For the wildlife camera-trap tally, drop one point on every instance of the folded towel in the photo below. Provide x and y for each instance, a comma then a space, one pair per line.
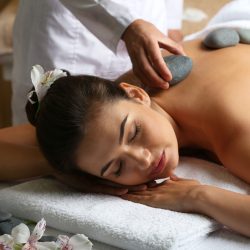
115, 221
235, 14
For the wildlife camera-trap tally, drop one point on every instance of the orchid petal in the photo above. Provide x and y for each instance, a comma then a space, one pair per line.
6, 242
62, 241
43, 80
57, 73
38, 231
80, 242
41, 91
29, 246
37, 73
20, 233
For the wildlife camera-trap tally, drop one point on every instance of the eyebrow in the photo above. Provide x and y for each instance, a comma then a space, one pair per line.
122, 129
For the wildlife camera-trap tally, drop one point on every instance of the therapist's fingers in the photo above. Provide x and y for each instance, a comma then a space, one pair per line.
143, 69
144, 42
154, 53
157, 62
171, 46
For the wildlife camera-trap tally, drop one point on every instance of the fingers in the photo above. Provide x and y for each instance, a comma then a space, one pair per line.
157, 61
143, 41
144, 70
171, 46
174, 177
144, 199
185, 181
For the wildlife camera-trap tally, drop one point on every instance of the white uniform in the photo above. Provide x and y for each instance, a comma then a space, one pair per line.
82, 36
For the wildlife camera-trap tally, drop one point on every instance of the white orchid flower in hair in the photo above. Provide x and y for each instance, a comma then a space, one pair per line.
42, 80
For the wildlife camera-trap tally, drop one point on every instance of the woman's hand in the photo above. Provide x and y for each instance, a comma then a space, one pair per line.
143, 41
90, 184
175, 194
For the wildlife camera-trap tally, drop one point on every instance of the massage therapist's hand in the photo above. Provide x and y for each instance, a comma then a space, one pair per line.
176, 194
143, 41
90, 184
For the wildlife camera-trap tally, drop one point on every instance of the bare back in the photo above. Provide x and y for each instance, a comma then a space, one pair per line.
213, 102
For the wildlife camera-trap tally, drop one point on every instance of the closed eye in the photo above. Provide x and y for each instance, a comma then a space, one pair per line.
117, 173
137, 129
136, 132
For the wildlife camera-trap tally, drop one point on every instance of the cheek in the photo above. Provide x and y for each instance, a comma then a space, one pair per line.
157, 131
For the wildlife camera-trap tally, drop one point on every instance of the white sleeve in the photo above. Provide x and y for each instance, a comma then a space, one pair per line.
106, 19
174, 13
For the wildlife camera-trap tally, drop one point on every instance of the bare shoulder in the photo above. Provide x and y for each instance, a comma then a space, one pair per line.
21, 134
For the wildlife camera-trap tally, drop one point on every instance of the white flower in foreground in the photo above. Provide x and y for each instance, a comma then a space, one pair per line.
76, 242
19, 235
21, 239
35, 236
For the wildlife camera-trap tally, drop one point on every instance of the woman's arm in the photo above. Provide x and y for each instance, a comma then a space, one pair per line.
20, 157
229, 208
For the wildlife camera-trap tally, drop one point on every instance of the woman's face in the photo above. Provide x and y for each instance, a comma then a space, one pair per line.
128, 143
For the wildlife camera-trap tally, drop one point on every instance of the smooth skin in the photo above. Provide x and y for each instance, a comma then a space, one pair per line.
208, 110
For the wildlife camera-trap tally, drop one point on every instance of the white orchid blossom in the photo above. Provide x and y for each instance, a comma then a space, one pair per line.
21, 239
76, 242
19, 235
42, 80
35, 236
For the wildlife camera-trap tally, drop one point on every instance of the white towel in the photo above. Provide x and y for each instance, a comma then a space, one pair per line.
115, 221
235, 14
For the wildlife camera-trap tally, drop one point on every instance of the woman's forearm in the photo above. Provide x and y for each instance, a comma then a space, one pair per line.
19, 162
229, 208
20, 157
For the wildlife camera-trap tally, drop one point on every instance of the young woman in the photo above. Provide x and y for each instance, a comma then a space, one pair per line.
117, 132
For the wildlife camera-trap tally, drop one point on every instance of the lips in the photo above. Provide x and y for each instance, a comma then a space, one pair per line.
158, 168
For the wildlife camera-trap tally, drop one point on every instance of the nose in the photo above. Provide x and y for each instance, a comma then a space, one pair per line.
141, 155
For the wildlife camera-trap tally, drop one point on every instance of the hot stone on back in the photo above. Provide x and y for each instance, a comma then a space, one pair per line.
244, 35
179, 66
221, 38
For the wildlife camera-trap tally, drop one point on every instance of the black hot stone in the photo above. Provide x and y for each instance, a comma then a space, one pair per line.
221, 38
179, 66
244, 35
7, 226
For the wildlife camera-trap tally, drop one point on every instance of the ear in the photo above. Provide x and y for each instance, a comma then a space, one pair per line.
136, 93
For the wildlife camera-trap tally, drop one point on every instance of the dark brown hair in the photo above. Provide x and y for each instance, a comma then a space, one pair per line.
62, 115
